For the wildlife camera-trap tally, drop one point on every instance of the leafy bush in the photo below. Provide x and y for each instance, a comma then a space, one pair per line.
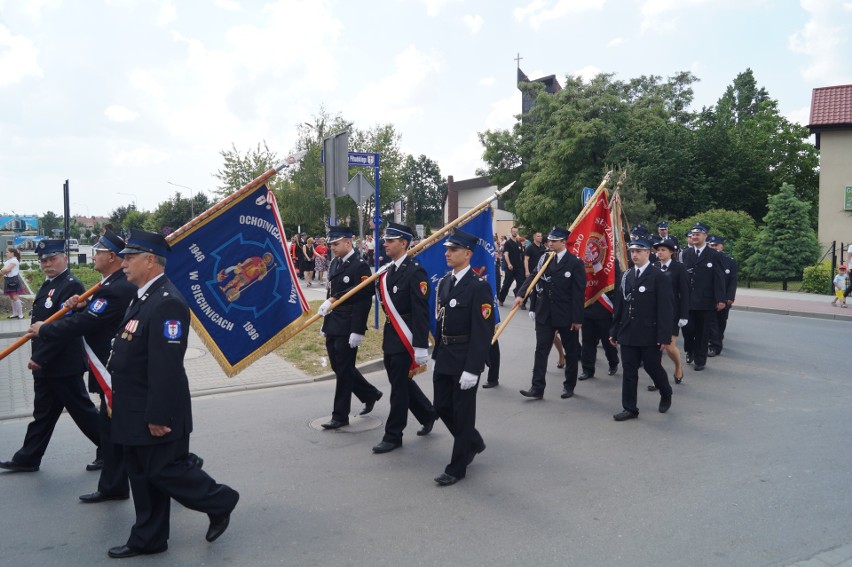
737, 227
87, 276
818, 278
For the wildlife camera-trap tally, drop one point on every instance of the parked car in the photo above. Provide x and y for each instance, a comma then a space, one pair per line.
73, 245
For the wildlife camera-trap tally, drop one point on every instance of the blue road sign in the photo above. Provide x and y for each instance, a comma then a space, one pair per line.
367, 159
587, 194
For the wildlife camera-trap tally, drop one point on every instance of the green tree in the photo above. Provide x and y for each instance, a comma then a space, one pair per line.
736, 227
424, 191
240, 169
176, 212
786, 244
117, 217
49, 222
137, 219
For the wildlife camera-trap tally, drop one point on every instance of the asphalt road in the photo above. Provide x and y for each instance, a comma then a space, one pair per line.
751, 466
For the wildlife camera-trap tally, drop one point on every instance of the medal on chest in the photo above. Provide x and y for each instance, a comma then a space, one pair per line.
48, 303
129, 329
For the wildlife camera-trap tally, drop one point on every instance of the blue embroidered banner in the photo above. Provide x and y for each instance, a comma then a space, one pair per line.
482, 262
238, 279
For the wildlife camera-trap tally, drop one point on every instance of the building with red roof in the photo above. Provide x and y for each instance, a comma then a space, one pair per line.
831, 122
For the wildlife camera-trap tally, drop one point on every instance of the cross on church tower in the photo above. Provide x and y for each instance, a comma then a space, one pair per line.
518, 60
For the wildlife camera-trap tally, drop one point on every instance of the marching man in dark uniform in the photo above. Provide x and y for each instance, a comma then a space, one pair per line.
642, 325
706, 294
152, 411
557, 307
465, 327
344, 326
404, 292
97, 321
719, 323
57, 366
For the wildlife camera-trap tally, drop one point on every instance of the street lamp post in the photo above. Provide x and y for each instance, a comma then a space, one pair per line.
191, 197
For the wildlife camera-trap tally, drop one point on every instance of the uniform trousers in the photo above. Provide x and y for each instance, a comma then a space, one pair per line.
349, 378
493, 363
718, 324
544, 334
52, 395
113, 480
696, 334
161, 472
595, 330
651, 359
405, 395
457, 409
516, 276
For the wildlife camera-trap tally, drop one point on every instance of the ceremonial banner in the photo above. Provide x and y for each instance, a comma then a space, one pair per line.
592, 241
234, 270
482, 262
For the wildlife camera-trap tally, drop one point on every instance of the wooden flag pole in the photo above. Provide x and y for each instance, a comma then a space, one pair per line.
24, 340
177, 234
550, 257
433, 238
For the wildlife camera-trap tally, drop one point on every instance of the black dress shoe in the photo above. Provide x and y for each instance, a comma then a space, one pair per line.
17, 467
446, 479
699, 367
625, 415
478, 450
125, 551
612, 370
678, 380
534, 394
490, 385
689, 358
585, 376
566, 394
195, 460
711, 353
99, 496
386, 447
665, 404
427, 428
95, 465
652, 388
334, 424
368, 407
218, 525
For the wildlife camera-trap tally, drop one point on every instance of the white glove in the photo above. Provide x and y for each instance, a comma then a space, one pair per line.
468, 380
355, 340
682, 322
421, 356
532, 315
323, 309
322, 332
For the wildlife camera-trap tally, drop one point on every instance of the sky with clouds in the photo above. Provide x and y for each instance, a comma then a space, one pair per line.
122, 97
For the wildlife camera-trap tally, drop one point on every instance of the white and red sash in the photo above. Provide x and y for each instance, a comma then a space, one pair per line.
99, 371
400, 326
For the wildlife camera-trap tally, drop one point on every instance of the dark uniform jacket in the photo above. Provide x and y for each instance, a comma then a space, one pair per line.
63, 357
149, 382
465, 322
729, 266
351, 316
408, 287
705, 277
98, 323
680, 289
643, 309
560, 293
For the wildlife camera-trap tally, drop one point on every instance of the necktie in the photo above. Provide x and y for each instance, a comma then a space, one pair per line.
638, 272
664, 268
392, 269
452, 282
335, 267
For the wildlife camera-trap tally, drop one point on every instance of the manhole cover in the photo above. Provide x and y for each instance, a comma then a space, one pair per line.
192, 352
357, 424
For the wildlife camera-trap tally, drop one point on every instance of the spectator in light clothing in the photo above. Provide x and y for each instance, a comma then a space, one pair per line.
12, 281
840, 286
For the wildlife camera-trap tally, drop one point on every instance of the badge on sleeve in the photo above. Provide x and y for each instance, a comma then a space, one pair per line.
172, 330
486, 310
97, 307
424, 288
